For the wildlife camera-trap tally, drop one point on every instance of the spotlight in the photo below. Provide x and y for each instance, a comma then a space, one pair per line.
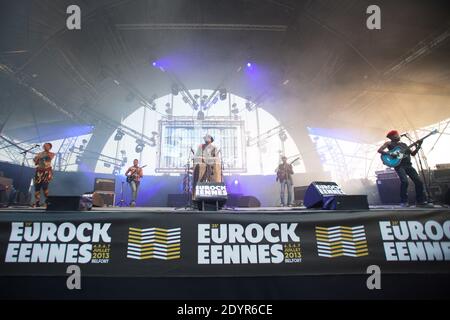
139, 146
200, 116
77, 160
283, 136
248, 106
155, 64
223, 94
236, 182
249, 64
175, 89
119, 135
234, 109
185, 99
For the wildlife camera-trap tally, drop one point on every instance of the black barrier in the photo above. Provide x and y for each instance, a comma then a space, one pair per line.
205, 244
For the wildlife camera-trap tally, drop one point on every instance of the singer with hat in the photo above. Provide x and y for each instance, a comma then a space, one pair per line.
206, 161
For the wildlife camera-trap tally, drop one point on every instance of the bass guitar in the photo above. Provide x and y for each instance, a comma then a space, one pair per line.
132, 176
395, 156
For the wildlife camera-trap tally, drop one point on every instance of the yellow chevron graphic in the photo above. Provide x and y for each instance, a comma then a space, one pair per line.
154, 243
346, 245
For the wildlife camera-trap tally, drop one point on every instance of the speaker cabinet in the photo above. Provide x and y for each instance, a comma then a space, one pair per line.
345, 202
68, 203
317, 190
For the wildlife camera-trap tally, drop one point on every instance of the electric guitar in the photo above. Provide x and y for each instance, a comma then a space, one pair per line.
395, 156
132, 177
281, 174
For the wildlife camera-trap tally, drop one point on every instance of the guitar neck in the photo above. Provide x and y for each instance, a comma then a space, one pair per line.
421, 139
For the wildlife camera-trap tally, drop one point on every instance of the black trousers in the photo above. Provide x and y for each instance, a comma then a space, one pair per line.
403, 172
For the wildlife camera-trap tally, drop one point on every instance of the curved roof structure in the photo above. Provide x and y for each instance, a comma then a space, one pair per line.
315, 64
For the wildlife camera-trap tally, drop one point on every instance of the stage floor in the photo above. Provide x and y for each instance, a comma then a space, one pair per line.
265, 210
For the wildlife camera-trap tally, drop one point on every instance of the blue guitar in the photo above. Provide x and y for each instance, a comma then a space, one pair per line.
395, 156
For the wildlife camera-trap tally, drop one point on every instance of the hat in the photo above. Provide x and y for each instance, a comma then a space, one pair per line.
208, 136
392, 133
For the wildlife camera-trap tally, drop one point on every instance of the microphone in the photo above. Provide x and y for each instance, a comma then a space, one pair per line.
404, 134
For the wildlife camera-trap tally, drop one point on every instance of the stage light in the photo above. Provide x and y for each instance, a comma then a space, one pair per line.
77, 160
223, 94
119, 135
248, 106
139, 146
200, 116
155, 64
236, 182
283, 136
249, 64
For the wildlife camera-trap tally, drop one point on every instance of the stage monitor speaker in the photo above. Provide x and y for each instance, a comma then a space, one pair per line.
345, 202
317, 190
68, 203
105, 185
248, 202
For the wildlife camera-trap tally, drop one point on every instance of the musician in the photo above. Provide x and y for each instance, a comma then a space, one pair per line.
284, 176
206, 155
134, 175
43, 174
405, 168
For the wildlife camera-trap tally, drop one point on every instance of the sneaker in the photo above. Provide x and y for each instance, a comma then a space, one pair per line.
425, 205
404, 205
133, 204
37, 204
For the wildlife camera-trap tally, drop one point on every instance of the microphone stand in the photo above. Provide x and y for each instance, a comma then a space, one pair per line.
22, 168
419, 163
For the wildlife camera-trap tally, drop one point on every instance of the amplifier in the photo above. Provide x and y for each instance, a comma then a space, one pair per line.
386, 174
442, 166
103, 184
441, 175
103, 199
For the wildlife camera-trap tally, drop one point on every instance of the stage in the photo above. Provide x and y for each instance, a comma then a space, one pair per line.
253, 253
